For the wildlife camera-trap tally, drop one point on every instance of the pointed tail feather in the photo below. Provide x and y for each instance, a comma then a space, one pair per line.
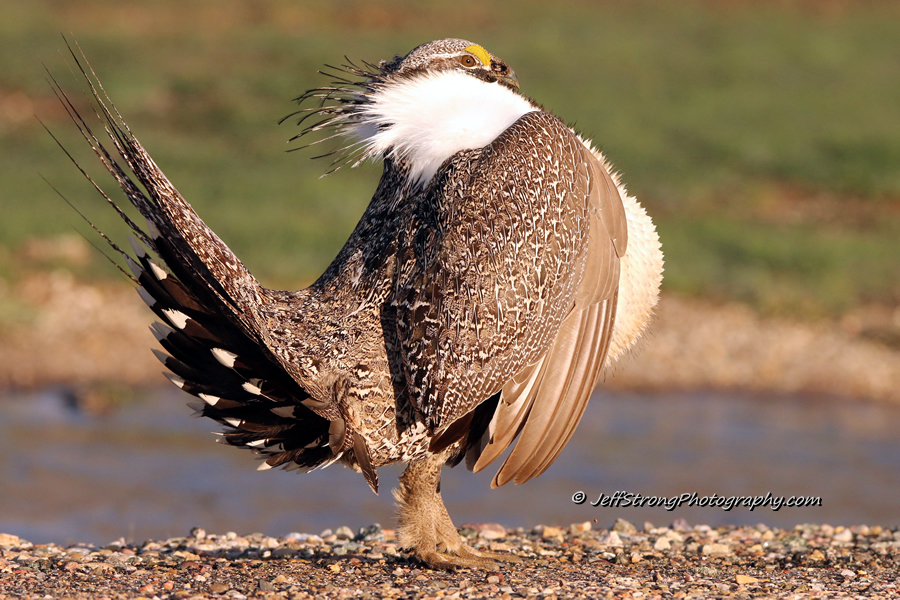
205, 299
200, 259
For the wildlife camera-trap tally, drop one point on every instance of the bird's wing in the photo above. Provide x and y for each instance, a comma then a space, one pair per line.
513, 290
544, 403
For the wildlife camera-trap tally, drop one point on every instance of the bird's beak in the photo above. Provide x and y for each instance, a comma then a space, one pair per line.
510, 79
504, 74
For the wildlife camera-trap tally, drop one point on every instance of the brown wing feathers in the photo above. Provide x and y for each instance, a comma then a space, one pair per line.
543, 404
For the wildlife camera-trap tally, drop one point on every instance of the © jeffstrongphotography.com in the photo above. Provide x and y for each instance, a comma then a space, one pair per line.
623, 499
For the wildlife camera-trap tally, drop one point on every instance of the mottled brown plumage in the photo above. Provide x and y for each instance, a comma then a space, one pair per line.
474, 303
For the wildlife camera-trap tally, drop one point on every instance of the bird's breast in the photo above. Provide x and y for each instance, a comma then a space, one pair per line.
425, 120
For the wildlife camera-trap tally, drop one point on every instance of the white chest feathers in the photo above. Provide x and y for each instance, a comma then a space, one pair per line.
426, 119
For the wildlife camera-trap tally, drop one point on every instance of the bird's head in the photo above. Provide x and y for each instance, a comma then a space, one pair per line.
440, 98
453, 54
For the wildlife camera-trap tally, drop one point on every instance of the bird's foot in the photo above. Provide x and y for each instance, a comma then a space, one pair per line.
425, 527
462, 557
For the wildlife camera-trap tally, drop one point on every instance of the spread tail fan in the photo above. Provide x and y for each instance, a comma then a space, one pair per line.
206, 301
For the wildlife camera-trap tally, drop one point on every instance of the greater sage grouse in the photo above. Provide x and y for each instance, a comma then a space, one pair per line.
498, 269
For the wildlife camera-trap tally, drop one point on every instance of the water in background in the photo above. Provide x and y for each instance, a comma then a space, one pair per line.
150, 471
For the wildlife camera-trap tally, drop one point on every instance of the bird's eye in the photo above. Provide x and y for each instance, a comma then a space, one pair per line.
467, 61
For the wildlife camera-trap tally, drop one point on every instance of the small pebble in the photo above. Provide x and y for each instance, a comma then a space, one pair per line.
611, 539
623, 526
550, 533
715, 549
488, 531
845, 536
372, 533
580, 527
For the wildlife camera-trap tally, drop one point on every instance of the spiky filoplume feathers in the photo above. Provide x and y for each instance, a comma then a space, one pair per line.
474, 305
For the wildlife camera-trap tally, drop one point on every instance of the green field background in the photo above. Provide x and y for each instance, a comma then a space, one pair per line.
763, 137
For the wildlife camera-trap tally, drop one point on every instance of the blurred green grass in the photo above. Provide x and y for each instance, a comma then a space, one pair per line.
764, 137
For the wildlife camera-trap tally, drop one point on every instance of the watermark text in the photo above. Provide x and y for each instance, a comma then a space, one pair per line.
622, 499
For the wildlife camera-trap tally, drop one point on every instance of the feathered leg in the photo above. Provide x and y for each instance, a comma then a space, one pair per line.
426, 528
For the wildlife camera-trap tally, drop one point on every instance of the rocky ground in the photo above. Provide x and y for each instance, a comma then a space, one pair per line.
55, 329
809, 561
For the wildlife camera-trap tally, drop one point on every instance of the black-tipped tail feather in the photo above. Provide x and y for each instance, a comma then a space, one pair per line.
205, 299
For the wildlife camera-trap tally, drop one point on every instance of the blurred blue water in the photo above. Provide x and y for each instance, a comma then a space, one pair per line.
150, 471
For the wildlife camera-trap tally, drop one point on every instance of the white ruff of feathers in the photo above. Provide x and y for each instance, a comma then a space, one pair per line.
426, 119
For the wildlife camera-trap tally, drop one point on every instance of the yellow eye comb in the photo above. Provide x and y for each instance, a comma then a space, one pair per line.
481, 53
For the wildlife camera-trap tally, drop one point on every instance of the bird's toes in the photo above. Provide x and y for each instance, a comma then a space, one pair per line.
501, 556
442, 561
464, 557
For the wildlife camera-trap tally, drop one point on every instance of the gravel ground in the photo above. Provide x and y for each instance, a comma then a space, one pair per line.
809, 561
